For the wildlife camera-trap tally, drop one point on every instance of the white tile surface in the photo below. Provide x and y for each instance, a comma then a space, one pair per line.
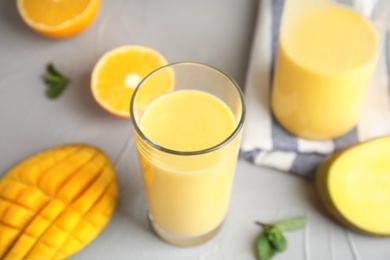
218, 33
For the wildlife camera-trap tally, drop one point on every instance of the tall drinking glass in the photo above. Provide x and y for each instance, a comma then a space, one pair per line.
187, 119
327, 53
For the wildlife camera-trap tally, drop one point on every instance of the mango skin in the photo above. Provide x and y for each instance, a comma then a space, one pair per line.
56, 202
322, 183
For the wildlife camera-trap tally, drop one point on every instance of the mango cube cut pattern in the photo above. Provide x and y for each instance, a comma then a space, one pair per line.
56, 202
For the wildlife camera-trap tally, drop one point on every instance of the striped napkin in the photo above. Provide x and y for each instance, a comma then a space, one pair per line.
265, 142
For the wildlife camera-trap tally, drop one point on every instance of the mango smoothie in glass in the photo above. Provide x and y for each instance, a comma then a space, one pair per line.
187, 139
326, 57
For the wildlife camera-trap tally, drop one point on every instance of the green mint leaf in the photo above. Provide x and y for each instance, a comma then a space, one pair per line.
52, 70
55, 81
279, 242
273, 233
265, 251
291, 224
51, 79
272, 240
276, 238
54, 92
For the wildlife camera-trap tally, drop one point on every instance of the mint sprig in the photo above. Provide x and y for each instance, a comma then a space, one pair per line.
291, 224
272, 240
55, 81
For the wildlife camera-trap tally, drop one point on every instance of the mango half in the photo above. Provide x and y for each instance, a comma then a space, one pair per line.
55, 202
354, 185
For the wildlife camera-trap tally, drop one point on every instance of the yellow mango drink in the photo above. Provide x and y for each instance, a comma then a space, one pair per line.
189, 120
187, 142
326, 57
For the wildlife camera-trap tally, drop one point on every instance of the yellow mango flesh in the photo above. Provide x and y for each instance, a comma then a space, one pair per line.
56, 202
355, 186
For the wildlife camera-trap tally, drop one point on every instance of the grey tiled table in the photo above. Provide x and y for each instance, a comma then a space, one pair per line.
216, 32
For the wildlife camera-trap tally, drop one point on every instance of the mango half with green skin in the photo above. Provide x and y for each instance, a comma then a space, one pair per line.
354, 185
56, 202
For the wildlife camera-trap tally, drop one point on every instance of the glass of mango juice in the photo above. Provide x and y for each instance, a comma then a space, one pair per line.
326, 58
187, 119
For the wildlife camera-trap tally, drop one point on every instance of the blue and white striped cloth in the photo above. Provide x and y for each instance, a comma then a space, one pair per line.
265, 142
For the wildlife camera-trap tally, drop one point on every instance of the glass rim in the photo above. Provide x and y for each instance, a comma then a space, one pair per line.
196, 152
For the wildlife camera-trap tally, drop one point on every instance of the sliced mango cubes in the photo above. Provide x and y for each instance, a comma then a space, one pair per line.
56, 202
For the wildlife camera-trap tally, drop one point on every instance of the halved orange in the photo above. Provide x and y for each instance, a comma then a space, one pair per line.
58, 18
119, 71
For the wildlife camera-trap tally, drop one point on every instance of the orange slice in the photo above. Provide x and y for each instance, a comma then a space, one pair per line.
58, 18
118, 73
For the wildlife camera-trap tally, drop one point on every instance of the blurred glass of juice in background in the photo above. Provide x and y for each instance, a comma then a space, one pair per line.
187, 138
326, 57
